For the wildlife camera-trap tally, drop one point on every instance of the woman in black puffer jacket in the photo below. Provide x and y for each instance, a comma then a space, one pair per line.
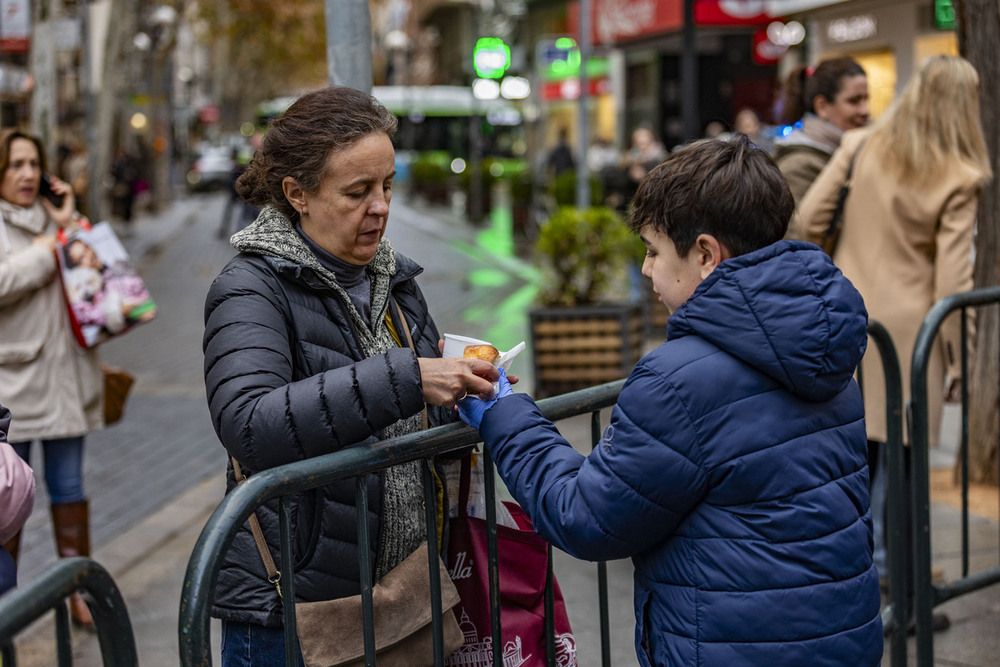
305, 355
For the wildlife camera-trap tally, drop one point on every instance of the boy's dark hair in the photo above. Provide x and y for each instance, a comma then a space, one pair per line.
728, 188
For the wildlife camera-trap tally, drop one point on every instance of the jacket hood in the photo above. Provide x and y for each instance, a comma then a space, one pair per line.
785, 310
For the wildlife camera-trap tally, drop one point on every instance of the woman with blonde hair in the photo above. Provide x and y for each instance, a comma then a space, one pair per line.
907, 229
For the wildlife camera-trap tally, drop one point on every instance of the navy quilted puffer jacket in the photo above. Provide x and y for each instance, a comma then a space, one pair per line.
733, 473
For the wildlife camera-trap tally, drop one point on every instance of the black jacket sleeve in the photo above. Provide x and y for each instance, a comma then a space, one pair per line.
264, 414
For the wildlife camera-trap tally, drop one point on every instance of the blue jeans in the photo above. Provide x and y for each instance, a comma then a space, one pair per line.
250, 645
63, 467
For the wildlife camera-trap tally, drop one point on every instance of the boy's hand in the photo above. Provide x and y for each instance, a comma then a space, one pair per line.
472, 409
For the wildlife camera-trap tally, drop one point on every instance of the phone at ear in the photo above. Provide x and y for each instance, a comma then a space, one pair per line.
45, 190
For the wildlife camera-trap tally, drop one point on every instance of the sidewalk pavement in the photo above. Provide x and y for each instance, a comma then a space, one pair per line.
148, 559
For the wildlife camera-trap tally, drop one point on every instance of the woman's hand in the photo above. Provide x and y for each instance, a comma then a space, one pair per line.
447, 381
65, 216
953, 390
46, 240
472, 409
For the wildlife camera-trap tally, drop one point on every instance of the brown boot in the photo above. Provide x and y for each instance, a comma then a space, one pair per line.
72, 530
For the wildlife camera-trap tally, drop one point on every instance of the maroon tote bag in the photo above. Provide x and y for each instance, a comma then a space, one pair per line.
523, 568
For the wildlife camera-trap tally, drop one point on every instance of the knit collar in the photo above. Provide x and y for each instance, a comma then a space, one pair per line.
31, 219
817, 133
272, 234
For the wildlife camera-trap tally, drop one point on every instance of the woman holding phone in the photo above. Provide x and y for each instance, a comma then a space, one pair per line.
52, 386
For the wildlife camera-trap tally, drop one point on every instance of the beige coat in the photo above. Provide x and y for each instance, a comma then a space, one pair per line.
52, 386
903, 248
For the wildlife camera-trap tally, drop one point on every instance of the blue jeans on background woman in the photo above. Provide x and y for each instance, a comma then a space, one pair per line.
63, 467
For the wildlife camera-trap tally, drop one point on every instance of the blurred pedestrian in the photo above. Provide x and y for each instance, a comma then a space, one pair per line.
604, 161
17, 497
561, 156
124, 182
308, 351
748, 122
52, 385
715, 129
645, 152
908, 226
823, 103
77, 174
234, 201
732, 473
602, 155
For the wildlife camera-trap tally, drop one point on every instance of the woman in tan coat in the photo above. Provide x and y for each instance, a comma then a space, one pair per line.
52, 386
908, 222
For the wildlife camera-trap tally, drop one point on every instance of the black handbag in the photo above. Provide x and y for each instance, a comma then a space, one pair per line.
832, 235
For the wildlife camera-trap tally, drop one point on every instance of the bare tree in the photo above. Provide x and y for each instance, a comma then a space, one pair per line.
977, 23
280, 48
43, 67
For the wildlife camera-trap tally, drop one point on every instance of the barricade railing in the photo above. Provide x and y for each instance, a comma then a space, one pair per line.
927, 595
285, 481
895, 508
23, 606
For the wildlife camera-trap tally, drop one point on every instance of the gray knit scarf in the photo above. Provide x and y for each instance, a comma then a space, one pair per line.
274, 235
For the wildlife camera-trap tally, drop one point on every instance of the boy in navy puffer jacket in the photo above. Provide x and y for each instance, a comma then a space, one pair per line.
734, 470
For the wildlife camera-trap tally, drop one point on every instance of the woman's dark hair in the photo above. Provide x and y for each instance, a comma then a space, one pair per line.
299, 142
802, 86
7, 137
728, 188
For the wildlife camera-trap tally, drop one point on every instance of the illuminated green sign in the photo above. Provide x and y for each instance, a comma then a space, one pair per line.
944, 14
491, 57
559, 59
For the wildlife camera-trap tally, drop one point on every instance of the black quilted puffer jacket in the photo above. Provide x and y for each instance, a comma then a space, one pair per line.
286, 380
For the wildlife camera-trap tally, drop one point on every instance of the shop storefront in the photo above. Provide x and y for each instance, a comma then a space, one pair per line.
733, 73
888, 39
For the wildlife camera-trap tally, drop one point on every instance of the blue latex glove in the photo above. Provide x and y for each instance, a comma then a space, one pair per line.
472, 409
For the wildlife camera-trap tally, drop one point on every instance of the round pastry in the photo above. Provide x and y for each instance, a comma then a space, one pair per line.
484, 352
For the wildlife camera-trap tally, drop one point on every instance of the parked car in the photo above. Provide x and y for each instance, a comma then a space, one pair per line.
212, 169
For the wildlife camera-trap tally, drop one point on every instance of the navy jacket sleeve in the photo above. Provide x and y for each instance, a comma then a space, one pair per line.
264, 415
626, 496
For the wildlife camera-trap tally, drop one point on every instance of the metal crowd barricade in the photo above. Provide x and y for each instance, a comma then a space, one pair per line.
927, 595
895, 501
284, 481
23, 606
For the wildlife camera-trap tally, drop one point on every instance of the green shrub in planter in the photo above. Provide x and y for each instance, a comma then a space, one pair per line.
583, 253
430, 176
563, 189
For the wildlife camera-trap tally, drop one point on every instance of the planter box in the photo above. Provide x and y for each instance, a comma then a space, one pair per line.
575, 348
